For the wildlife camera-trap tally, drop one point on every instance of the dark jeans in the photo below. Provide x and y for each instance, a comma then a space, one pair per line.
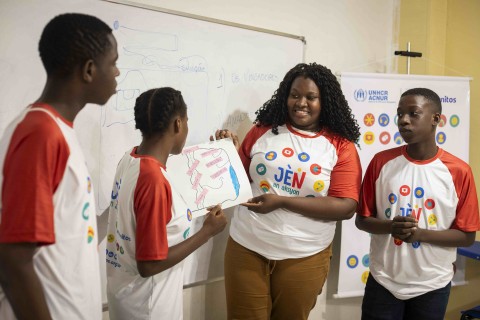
380, 304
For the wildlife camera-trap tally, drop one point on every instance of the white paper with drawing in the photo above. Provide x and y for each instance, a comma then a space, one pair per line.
208, 174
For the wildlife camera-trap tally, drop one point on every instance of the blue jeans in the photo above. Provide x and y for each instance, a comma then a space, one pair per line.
380, 304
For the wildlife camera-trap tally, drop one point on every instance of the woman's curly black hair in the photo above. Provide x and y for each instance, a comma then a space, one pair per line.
335, 115
155, 108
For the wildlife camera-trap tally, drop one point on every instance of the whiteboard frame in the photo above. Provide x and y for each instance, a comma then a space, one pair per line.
208, 19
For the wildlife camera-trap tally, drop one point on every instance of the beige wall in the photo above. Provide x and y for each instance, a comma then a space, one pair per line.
447, 32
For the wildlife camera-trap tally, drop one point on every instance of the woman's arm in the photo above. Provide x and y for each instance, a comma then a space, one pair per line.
322, 208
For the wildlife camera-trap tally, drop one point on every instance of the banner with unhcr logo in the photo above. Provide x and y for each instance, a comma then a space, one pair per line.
374, 100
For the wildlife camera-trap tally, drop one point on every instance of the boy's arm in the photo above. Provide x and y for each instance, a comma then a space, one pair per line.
20, 282
373, 225
444, 238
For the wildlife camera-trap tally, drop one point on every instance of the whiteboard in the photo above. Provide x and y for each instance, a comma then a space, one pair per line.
225, 74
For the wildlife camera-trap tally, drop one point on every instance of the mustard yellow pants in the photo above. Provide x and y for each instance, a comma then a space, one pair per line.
260, 289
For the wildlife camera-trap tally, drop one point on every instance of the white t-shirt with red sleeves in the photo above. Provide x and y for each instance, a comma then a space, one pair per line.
47, 198
440, 193
295, 164
146, 217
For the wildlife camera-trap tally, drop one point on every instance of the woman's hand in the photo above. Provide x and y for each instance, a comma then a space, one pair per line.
264, 204
224, 133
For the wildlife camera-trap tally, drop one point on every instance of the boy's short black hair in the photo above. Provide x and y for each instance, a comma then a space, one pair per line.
428, 94
71, 39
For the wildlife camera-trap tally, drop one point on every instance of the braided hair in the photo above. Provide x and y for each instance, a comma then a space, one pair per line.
155, 109
428, 94
335, 115
71, 39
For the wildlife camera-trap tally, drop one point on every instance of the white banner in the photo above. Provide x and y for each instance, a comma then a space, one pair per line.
374, 100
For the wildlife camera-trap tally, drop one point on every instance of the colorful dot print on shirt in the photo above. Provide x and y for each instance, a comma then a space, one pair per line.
85, 214
319, 185
304, 157
315, 169
265, 186
186, 233
261, 169
271, 155
90, 234
189, 215
89, 185
287, 152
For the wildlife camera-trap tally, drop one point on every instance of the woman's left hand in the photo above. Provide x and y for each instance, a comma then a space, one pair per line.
263, 204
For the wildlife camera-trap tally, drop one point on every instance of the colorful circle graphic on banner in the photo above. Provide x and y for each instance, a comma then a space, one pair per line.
265, 186
261, 169
369, 137
315, 169
319, 185
419, 192
366, 260
383, 120
404, 190
304, 157
441, 137
369, 119
443, 121
287, 152
397, 138
365, 276
392, 198
352, 261
429, 204
454, 120
395, 119
271, 155
384, 137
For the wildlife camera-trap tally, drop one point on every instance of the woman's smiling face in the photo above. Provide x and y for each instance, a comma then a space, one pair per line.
304, 104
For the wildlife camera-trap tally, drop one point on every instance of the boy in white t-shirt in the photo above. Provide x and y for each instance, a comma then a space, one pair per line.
419, 202
48, 233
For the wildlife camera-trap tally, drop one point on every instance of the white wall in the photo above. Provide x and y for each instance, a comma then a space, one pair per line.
344, 35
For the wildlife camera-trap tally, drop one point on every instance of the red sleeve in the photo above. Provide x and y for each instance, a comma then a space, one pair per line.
153, 211
467, 213
346, 175
247, 145
367, 204
34, 165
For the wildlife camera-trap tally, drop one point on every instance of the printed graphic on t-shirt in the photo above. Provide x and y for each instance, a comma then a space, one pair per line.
290, 172
414, 203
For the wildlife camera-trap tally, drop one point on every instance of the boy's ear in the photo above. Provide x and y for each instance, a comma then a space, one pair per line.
436, 118
88, 71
